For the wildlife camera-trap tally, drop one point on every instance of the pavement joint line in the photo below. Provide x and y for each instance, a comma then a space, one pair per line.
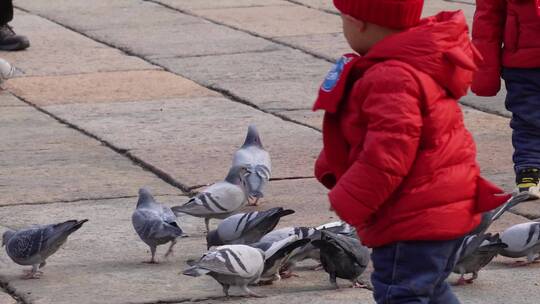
225, 93
273, 40
77, 200
484, 110
4, 286
313, 7
460, 1
525, 215
269, 50
89, 73
164, 176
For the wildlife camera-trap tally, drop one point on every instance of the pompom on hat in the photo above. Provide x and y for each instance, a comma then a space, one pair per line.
395, 14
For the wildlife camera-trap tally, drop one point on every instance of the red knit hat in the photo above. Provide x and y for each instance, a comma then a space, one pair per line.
396, 14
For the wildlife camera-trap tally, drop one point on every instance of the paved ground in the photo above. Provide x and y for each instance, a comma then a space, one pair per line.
118, 94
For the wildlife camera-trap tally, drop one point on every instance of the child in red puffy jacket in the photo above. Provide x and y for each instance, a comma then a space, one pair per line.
507, 33
397, 157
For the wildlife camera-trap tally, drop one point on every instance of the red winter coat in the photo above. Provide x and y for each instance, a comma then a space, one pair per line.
397, 156
512, 23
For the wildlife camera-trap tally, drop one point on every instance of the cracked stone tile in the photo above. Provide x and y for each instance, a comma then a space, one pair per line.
276, 21
44, 161
193, 139
105, 87
56, 50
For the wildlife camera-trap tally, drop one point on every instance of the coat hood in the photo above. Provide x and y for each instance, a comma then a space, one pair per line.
439, 46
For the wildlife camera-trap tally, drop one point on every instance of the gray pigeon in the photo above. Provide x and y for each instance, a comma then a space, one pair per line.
253, 155
231, 265
475, 254
277, 254
219, 200
154, 223
523, 240
32, 246
342, 257
246, 228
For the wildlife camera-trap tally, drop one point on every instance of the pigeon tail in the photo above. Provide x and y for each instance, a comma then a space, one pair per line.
252, 137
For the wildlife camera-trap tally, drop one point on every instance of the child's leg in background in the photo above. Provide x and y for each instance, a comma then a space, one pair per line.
414, 272
523, 100
6, 11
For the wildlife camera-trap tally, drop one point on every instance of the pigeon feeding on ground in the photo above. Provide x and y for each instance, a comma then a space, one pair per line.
523, 240
253, 155
479, 248
277, 254
231, 265
342, 257
32, 246
155, 224
246, 228
219, 200
475, 254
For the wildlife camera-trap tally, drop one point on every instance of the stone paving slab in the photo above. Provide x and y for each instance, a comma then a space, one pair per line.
284, 79
156, 132
182, 40
8, 100
493, 104
308, 117
6, 299
56, 50
276, 21
45, 161
190, 5
105, 87
329, 46
325, 5
116, 15
493, 141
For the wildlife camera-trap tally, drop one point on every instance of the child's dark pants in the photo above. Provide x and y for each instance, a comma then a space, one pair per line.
414, 272
523, 100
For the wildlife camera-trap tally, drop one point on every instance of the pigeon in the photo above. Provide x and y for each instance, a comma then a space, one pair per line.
523, 240
342, 257
277, 254
246, 228
339, 227
155, 224
475, 254
33, 245
231, 265
220, 199
253, 155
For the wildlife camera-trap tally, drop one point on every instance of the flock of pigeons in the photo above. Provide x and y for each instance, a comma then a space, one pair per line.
245, 249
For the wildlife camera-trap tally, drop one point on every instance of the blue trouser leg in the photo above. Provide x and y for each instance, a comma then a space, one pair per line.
414, 272
523, 100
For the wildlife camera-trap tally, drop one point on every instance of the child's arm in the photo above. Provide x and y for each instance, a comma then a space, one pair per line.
487, 34
392, 106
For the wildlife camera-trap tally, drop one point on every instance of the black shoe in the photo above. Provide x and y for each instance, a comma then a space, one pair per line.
9, 41
528, 180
